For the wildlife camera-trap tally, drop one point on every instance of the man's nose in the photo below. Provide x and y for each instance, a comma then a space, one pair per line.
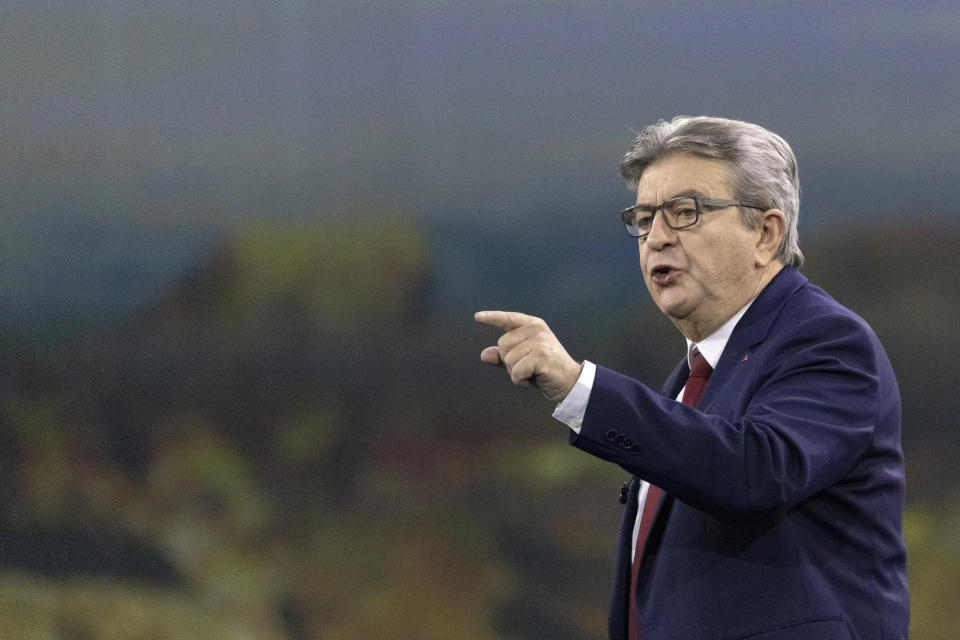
661, 234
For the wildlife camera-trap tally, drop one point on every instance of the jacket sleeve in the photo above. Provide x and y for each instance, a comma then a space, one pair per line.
787, 425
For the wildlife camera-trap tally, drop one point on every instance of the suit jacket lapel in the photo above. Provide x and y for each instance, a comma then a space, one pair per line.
751, 330
677, 379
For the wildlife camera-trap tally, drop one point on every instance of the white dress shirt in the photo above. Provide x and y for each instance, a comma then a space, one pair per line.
574, 406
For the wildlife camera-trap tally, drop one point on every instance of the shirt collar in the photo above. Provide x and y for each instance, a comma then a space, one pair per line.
713, 345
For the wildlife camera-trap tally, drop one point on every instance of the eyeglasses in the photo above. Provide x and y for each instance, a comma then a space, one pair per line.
678, 213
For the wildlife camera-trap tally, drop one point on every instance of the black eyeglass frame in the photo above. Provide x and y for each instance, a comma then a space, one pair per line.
701, 204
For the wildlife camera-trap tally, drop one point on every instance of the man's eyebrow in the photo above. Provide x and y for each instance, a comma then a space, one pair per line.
686, 193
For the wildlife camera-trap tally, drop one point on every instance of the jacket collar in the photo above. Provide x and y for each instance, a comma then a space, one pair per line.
751, 330
756, 322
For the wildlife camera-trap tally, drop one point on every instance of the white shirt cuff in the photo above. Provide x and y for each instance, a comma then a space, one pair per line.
574, 406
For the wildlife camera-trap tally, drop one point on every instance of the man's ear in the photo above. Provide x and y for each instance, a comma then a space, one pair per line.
773, 228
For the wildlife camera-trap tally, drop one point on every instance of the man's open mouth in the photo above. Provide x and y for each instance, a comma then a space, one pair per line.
663, 274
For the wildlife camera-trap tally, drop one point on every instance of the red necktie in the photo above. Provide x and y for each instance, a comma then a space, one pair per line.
700, 371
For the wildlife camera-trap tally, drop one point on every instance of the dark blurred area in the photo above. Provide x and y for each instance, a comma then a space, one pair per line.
240, 251
296, 442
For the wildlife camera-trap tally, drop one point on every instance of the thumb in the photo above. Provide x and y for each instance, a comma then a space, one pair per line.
491, 355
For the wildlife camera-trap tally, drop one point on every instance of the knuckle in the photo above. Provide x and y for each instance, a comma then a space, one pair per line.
519, 374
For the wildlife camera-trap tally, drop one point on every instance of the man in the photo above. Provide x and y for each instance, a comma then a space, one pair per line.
768, 484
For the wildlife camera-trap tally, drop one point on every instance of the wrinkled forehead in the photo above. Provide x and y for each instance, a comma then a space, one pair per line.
684, 174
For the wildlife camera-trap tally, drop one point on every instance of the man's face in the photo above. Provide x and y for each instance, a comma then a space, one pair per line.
702, 275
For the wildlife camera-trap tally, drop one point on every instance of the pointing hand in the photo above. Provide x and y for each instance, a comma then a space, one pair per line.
530, 353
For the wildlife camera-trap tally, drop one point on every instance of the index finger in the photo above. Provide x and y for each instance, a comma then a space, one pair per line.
506, 320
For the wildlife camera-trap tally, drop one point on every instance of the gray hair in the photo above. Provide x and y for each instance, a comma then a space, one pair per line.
761, 166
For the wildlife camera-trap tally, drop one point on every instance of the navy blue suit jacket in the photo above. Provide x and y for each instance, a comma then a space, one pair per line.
784, 487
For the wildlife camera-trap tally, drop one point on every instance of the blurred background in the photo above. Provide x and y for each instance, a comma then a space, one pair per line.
241, 245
